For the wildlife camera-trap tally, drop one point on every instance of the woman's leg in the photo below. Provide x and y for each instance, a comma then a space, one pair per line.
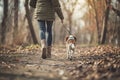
42, 29
43, 37
49, 38
49, 33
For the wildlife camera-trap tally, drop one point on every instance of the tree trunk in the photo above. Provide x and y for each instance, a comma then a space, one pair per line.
104, 30
97, 22
118, 36
16, 9
30, 22
118, 27
3, 24
91, 38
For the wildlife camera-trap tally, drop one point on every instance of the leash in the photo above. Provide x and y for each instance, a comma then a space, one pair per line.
66, 29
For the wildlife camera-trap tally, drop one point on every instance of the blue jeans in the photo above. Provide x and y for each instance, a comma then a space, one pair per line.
46, 31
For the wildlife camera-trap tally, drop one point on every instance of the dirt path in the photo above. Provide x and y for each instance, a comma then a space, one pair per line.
30, 66
88, 64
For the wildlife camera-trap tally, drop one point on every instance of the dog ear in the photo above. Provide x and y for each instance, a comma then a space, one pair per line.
66, 38
75, 38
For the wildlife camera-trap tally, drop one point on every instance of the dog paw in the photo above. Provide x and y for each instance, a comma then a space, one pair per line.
71, 59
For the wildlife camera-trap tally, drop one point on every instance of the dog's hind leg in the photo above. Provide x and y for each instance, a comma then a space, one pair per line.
69, 55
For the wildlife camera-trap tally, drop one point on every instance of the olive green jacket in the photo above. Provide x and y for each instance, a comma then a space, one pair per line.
45, 10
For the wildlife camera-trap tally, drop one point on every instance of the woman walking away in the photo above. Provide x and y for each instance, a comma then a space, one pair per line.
45, 14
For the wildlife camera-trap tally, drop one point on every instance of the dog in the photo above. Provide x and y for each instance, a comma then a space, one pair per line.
70, 46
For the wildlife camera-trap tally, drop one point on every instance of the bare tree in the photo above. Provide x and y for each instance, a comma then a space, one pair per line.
96, 9
97, 21
30, 22
16, 9
3, 24
69, 7
105, 23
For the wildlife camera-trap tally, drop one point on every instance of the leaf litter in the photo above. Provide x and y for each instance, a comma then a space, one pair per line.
89, 63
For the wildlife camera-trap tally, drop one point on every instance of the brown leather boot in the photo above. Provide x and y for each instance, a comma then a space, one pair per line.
43, 49
44, 53
49, 52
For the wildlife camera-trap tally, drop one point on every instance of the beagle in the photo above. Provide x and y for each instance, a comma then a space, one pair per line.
70, 46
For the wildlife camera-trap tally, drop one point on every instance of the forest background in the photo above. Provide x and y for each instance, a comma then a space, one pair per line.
91, 21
